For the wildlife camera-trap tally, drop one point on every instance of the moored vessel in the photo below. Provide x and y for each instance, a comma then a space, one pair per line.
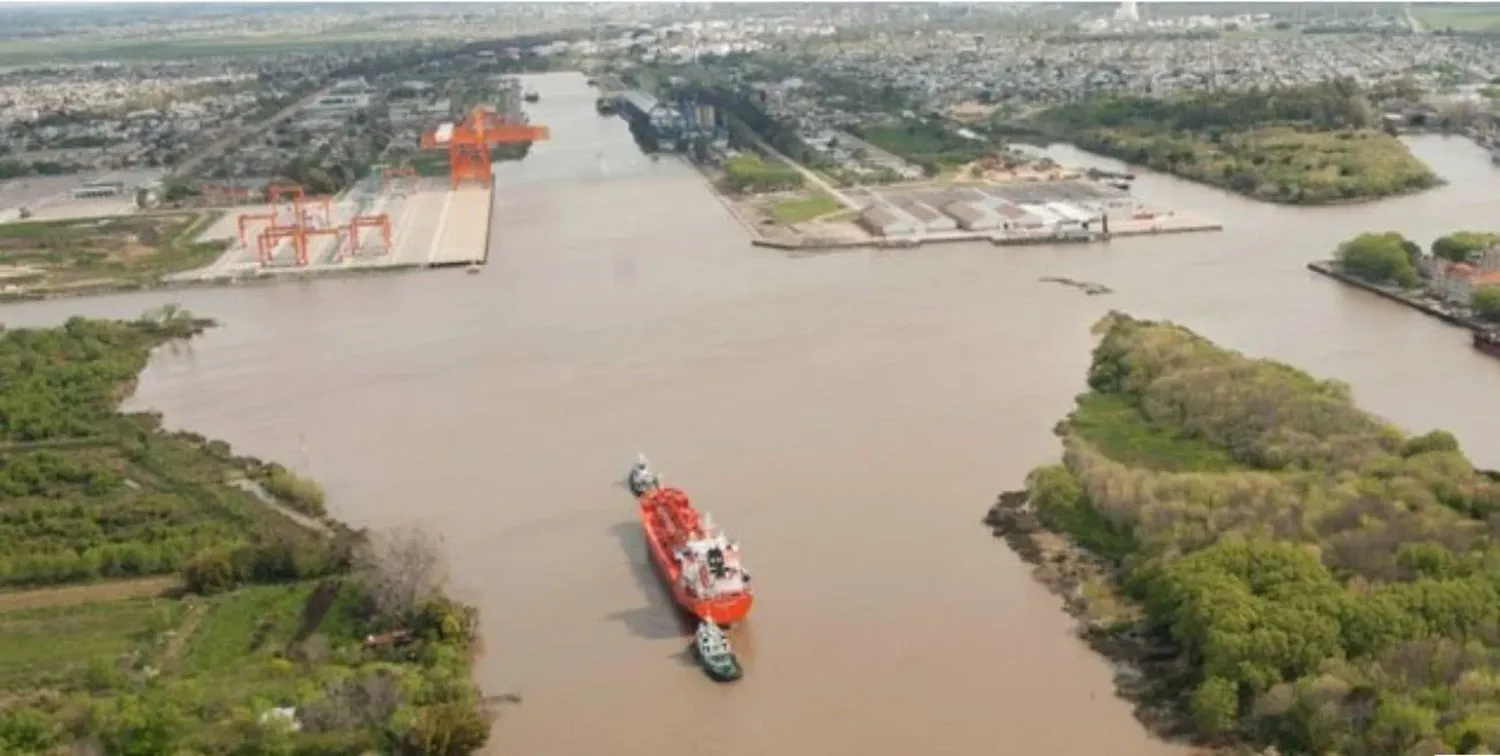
700, 564
1488, 341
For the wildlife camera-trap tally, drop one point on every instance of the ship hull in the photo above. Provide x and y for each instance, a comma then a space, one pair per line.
661, 535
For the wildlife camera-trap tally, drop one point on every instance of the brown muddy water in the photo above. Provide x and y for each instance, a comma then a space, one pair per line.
849, 417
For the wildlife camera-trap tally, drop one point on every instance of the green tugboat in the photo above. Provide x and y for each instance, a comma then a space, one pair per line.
712, 649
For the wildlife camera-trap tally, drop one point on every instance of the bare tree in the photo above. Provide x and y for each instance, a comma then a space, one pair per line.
403, 570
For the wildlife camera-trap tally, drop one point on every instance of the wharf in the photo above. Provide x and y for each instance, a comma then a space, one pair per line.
1175, 224
1436, 310
433, 226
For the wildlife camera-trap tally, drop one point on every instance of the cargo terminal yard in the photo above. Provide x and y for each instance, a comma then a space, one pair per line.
382, 222
393, 218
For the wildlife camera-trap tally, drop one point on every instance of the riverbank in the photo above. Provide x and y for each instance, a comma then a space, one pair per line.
1146, 669
158, 575
1188, 533
1450, 314
254, 278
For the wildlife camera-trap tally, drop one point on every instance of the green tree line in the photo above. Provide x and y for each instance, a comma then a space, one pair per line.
88, 492
1312, 144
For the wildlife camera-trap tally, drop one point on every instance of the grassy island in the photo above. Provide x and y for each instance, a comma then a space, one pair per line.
1286, 570
161, 595
1313, 145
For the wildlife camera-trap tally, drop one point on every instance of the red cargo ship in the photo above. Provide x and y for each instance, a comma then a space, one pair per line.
1488, 341
701, 565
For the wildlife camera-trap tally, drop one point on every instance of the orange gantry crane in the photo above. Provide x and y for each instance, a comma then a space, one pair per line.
305, 217
402, 179
470, 140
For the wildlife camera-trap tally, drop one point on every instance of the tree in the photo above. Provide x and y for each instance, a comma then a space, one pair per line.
1460, 246
402, 571
446, 729
1486, 302
1379, 257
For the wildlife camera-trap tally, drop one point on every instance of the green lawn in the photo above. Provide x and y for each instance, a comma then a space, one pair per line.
1118, 430
250, 624
804, 208
26, 52
56, 645
1459, 17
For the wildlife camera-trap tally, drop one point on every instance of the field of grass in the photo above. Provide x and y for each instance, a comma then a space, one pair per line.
29, 52
804, 208
248, 627
1474, 17
1118, 430
61, 646
103, 253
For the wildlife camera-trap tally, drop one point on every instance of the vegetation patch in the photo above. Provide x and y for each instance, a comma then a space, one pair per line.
1310, 145
1460, 17
929, 143
1118, 430
42, 257
1329, 586
804, 209
293, 637
1381, 257
749, 173
80, 644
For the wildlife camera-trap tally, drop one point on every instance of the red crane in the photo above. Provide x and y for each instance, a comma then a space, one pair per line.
469, 143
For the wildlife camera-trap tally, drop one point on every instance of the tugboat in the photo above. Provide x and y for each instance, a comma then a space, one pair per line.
1488, 341
700, 564
641, 478
712, 648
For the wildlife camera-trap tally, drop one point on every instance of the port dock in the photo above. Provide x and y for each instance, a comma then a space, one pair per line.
431, 226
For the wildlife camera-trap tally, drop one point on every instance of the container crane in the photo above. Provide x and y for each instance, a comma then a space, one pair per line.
469, 142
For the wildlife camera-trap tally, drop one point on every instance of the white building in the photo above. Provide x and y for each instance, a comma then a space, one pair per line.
973, 217
1070, 216
1050, 220
1016, 218
929, 217
884, 219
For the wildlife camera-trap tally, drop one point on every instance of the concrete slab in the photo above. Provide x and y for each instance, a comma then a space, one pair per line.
431, 225
465, 227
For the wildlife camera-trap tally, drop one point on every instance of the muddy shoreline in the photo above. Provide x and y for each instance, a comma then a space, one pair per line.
1150, 672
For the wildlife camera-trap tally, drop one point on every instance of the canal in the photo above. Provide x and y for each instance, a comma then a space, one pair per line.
848, 417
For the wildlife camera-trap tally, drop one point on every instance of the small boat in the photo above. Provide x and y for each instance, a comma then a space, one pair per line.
1488, 341
641, 478
531, 96
712, 648
700, 564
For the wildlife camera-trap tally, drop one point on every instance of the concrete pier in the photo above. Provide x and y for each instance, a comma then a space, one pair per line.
431, 226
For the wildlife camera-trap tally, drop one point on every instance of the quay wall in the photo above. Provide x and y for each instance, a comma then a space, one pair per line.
1330, 269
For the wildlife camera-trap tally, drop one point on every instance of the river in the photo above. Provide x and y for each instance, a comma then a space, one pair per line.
849, 417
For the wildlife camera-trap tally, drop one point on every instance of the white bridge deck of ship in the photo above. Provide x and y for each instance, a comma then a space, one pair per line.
431, 225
